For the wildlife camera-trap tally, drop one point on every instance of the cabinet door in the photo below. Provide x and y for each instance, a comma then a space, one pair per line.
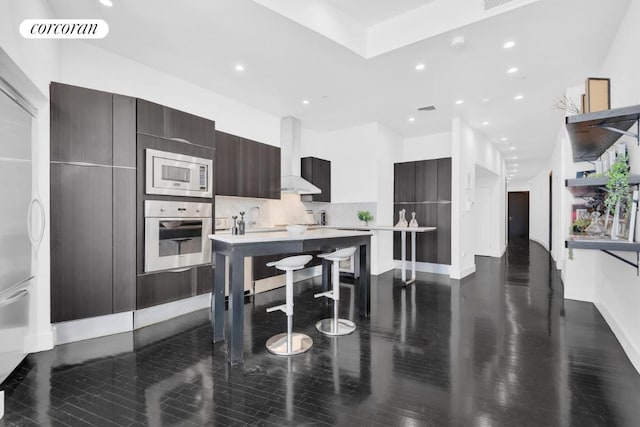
426, 243
124, 131
158, 120
226, 173
81, 125
322, 179
426, 181
160, 288
444, 233
81, 242
444, 179
124, 239
248, 161
269, 171
404, 182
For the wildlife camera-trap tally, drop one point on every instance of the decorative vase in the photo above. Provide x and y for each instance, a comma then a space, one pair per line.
615, 227
413, 223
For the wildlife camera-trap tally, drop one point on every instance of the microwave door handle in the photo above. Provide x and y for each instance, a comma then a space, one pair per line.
181, 140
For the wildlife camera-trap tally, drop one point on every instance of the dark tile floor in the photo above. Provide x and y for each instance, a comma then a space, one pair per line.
501, 348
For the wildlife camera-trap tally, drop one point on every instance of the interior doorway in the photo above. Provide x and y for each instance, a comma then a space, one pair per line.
518, 214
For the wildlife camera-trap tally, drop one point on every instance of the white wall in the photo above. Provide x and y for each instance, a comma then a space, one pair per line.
590, 275
470, 148
435, 146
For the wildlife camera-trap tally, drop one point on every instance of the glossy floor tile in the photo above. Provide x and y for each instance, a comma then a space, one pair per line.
500, 348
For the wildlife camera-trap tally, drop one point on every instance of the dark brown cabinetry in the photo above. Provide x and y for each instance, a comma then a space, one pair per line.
269, 171
81, 242
424, 187
81, 125
154, 289
246, 168
92, 203
226, 179
318, 172
165, 122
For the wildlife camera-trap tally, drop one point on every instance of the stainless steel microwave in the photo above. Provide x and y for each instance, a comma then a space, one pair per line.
175, 174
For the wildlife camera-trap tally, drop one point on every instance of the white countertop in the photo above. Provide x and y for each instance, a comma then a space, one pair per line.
392, 228
281, 236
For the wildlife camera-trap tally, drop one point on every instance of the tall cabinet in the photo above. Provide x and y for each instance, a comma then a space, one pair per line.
424, 187
92, 203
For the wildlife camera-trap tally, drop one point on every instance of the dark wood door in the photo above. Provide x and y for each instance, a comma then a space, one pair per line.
443, 234
248, 161
518, 214
81, 242
444, 179
226, 173
269, 172
124, 239
426, 243
404, 182
81, 125
426, 181
158, 120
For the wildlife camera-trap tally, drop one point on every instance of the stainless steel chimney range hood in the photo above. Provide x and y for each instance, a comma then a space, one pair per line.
290, 141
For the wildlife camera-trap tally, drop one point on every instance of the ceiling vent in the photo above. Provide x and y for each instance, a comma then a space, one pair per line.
427, 108
490, 4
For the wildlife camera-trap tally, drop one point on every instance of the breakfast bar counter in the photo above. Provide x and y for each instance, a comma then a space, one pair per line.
238, 247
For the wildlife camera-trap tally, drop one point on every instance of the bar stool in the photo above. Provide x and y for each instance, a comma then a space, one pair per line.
289, 343
335, 326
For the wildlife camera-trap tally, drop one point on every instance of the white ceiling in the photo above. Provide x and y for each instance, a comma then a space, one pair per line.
370, 12
559, 44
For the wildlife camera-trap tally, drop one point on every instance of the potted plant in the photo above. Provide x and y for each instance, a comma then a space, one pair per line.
365, 217
617, 199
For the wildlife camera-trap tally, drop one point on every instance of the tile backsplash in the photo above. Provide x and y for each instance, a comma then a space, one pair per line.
290, 210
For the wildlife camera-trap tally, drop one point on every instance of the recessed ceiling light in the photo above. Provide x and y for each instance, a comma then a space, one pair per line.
459, 102
412, 119
305, 102
420, 67
515, 164
485, 100
518, 97
107, 3
485, 123
512, 70
509, 44
504, 139
239, 67
512, 148
514, 158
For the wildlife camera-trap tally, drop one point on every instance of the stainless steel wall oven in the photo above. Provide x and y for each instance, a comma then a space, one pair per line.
176, 235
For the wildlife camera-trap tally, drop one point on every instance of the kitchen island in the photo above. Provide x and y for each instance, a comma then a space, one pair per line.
237, 248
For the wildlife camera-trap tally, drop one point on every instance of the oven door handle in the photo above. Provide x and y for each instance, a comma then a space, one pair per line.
179, 270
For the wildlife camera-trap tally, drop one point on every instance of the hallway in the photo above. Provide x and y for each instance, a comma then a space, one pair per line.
500, 348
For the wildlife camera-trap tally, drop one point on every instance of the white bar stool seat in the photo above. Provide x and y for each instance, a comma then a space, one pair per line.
335, 326
289, 343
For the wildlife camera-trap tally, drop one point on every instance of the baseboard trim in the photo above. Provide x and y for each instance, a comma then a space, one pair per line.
577, 294
94, 327
424, 267
541, 243
162, 312
631, 351
458, 274
41, 342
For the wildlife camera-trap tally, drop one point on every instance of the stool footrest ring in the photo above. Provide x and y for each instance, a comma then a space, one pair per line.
328, 294
282, 307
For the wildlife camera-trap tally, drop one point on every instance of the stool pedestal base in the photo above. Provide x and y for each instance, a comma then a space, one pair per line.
326, 326
300, 343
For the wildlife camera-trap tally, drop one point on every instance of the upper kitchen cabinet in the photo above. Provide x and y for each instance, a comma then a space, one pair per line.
269, 172
165, 122
81, 125
444, 179
226, 170
124, 131
318, 172
426, 180
404, 182
247, 167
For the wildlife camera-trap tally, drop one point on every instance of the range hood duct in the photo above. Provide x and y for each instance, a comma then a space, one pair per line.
290, 141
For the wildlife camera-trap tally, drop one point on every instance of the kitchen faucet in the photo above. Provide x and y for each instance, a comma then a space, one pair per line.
254, 221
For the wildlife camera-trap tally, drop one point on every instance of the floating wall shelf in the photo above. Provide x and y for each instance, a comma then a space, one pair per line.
593, 133
606, 246
589, 187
